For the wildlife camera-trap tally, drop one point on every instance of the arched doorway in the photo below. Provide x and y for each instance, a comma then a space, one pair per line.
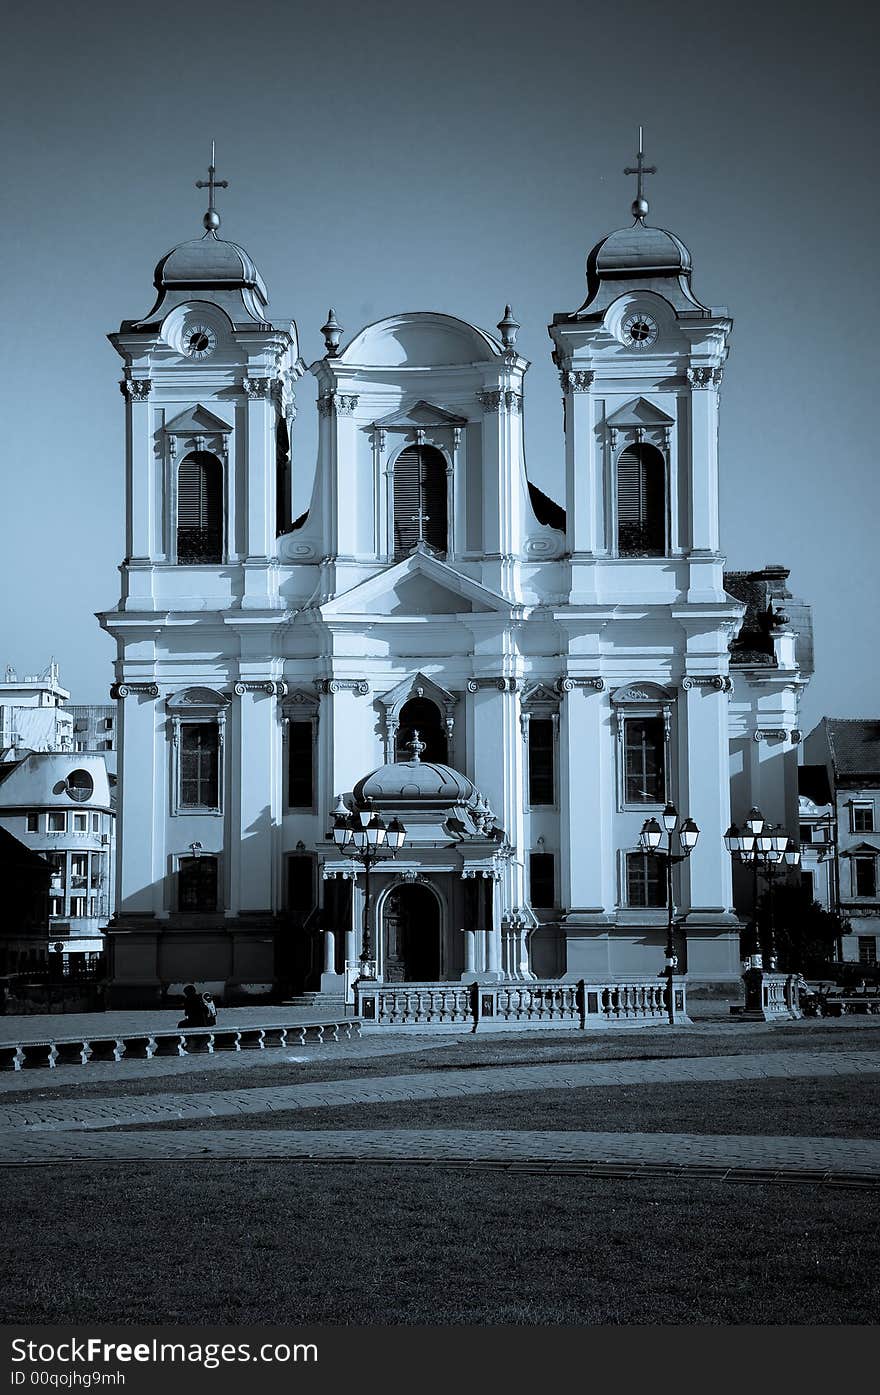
411, 935
422, 716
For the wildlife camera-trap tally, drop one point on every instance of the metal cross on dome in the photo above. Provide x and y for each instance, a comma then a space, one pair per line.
640, 169
211, 219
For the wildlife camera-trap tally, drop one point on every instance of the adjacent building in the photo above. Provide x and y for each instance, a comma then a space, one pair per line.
59, 806
848, 750
522, 682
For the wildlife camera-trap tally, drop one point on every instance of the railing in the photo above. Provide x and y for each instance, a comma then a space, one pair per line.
627, 1002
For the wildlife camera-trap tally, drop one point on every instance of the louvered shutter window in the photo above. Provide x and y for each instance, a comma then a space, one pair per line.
640, 502
419, 484
199, 509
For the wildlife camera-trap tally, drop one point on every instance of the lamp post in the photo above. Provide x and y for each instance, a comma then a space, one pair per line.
764, 847
366, 838
650, 839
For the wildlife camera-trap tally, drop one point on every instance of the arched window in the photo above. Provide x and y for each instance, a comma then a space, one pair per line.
200, 508
419, 500
641, 502
421, 715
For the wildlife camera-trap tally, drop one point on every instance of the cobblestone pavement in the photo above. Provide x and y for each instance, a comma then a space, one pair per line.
809, 1157
43, 1116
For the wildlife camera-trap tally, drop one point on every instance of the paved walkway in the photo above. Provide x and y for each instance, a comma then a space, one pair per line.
812, 1158
118, 1110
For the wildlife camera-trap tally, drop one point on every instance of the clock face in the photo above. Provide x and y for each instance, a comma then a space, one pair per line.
199, 341
639, 331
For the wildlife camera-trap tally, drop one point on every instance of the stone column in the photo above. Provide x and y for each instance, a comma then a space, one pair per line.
470, 956
329, 952
493, 937
145, 770
254, 780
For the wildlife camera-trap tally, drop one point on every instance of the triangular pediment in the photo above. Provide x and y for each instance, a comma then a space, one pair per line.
420, 414
421, 585
860, 849
196, 421
639, 412
419, 685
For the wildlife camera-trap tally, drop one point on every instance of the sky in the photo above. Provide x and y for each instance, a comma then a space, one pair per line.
403, 156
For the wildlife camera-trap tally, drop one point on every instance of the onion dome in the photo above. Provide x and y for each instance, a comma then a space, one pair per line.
638, 251
209, 263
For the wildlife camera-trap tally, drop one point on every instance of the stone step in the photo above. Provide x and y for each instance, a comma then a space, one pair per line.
315, 1000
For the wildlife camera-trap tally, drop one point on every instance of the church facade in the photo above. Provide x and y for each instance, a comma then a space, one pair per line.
521, 683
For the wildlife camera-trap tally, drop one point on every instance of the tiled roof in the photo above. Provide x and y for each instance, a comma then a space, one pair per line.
855, 745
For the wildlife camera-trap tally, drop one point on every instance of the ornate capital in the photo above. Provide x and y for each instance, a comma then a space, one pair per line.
580, 381
503, 685
704, 377
567, 685
500, 399
136, 389
262, 685
343, 404
720, 681
338, 685
124, 690
255, 388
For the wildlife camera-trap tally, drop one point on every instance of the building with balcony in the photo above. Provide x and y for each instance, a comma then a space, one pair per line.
33, 715
60, 806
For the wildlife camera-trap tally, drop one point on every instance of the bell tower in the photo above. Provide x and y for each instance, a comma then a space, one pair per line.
640, 365
208, 387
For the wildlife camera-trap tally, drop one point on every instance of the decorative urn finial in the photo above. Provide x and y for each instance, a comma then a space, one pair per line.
332, 332
507, 328
417, 746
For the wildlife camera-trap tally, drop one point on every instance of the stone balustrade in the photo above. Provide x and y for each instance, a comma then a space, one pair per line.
770, 997
184, 1041
517, 1006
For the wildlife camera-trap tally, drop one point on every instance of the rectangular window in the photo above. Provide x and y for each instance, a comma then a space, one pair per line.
300, 765
79, 865
862, 817
867, 949
199, 766
33, 823
807, 885
542, 887
96, 823
80, 823
57, 821
805, 833
865, 876
541, 781
644, 775
77, 905
197, 884
645, 882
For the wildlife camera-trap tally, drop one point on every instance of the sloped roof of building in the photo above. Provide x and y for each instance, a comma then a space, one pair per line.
545, 509
854, 743
15, 857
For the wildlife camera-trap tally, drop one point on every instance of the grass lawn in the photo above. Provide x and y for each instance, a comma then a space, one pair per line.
824, 1107
246, 1243
267, 1068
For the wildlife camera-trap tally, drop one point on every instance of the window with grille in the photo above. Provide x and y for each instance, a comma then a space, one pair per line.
645, 882
865, 876
862, 817
867, 949
644, 750
641, 502
197, 884
419, 500
300, 765
199, 766
542, 880
200, 509
541, 760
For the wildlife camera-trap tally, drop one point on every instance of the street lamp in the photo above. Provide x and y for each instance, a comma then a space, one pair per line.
765, 847
650, 838
366, 838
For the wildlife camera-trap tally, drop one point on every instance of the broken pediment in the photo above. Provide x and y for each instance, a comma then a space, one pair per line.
196, 421
638, 413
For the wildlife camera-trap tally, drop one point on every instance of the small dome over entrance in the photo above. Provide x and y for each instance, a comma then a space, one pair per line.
415, 782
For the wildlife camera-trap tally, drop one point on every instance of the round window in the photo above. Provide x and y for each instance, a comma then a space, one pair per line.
80, 786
